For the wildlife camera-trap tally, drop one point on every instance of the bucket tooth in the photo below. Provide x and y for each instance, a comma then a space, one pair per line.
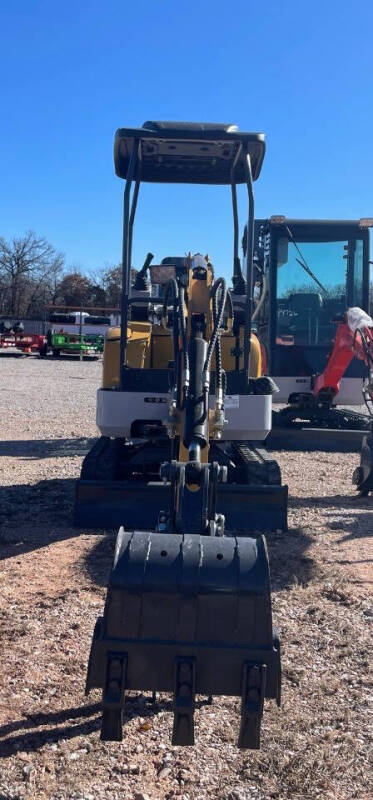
113, 698
96, 636
112, 725
184, 701
253, 691
277, 649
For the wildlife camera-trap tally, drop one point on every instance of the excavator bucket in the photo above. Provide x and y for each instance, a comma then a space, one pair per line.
187, 614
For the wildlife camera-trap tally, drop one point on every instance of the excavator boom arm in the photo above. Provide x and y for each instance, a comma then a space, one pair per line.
350, 341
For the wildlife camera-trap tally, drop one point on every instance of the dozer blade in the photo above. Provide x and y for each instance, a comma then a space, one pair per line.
107, 504
363, 475
302, 437
187, 614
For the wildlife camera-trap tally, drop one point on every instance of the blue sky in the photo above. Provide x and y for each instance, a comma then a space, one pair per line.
71, 73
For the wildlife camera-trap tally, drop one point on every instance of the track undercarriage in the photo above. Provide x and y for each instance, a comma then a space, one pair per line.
310, 410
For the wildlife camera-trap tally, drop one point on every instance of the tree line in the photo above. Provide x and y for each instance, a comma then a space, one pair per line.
33, 274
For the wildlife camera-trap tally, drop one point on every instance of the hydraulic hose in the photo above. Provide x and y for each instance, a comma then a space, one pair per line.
221, 377
220, 283
178, 316
172, 286
261, 299
218, 357
218, 306
186, 370
230, 301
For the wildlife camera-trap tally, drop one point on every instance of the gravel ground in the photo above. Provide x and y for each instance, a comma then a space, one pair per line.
53, 585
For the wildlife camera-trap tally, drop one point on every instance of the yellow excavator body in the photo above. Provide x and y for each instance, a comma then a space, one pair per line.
150, 346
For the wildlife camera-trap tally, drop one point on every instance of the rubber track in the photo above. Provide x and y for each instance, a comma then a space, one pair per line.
334, 418
262, 469
101, 463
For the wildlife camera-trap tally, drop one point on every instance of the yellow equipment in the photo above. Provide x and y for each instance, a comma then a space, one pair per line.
180, 466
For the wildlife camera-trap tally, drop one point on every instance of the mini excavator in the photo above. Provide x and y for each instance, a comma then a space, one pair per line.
181, 465
353, 339
307, 274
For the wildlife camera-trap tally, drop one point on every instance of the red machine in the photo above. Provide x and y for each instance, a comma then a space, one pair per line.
354, 338
317, 409
14, 340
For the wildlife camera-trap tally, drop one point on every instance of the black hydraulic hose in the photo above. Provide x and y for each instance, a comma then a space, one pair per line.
186, 371
221, 375
178, 316
220, 283
218, 306
230, 301
172, 285
218, 356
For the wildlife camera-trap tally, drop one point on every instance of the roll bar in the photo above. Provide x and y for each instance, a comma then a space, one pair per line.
241, 285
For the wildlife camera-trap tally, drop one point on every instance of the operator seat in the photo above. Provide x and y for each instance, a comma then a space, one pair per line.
306, 307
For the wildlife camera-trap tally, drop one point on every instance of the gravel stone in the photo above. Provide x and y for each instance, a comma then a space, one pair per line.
164, 773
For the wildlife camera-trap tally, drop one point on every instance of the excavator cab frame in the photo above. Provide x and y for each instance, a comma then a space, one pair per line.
297, 355
168, 152
311, 274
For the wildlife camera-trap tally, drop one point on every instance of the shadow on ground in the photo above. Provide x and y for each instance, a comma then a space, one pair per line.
337, 501
288, 559
46, 448
89, 720
35, 739
34, 516
357, 527
98, 561
350, 514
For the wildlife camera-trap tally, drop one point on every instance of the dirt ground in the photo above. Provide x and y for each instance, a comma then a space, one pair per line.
53, 581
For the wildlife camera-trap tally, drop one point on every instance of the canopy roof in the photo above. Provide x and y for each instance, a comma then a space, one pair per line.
189, 152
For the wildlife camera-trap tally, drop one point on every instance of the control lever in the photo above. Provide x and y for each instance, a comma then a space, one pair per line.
141, 284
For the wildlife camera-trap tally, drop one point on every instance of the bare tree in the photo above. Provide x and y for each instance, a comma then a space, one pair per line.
111, 282
29, 270
74, 289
